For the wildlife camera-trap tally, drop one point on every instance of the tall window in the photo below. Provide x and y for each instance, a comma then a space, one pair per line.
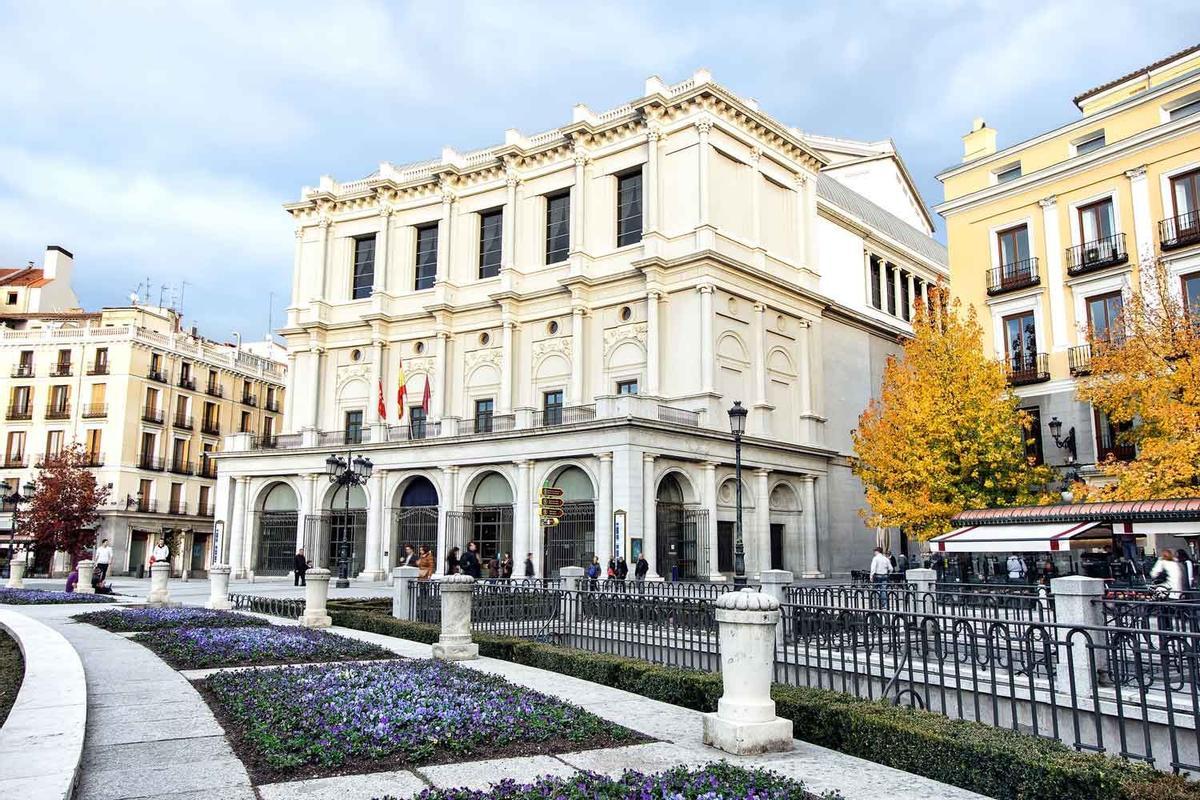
54, 442
1014, 247
627, 387
101, 362
558, 227
416, 416
94, 437
16, 447
245, 424
1109, 440
1096, 220
1033, 436
629, 208
552, 406
364, 267
1020, 332
905, 300
21, 396
25, 365
491, 233
151, 400
1185, 196
59, 402
876, 289
427, 255
1191, 294
354, 424
889, 274
1103, 312
149, 448
483, 415
145, 489
177, 498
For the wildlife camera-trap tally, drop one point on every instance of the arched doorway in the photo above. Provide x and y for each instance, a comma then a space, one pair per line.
277, 517
681, 532
491, 517
416, 518
572, 542
340, 525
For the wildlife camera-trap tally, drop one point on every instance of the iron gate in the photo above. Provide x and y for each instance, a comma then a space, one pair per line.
416, 526
492, 530
572, 542
276, 542
325, 532
682, 534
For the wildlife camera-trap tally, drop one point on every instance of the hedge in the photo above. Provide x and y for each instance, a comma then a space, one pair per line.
996, 762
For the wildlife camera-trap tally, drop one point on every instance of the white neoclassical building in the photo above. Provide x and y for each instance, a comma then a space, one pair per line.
578, 309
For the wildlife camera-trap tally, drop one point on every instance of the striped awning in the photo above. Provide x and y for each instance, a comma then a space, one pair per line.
1036, 538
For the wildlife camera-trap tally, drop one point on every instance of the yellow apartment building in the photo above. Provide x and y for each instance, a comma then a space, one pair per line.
1046, 238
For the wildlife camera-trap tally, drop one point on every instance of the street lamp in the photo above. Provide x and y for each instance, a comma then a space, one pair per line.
347, 472
737, 425
15, 499
1069, 442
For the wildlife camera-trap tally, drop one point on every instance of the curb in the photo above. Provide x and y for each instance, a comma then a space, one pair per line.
41, 742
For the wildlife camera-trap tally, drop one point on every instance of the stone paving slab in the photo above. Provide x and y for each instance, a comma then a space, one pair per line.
401, 783
482, 774
137, 755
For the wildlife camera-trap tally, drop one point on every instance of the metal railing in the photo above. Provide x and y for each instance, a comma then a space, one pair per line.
414, 431
1079, 359
208, 468
491, 423
188, 383
1010, 277
61, 369
95, 410
20, 412
291, 608
1097, 254
154, 415
344, 437
157, 375
249, 400
1027, 368
150, 463
210, 427
679, 416
206, 510
15, 461
23, 371
214, 390
58, 411
1179, 231
563, 415
181, 467
98, 368
177, 508
182, 421
279, 441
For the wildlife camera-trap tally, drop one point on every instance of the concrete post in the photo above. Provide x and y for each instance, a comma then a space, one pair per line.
403, 580
454, 643
16, 572
218, 587
924, 583
774, 584
160, 571
86, 569
1074, 608
316, 594
573, 582
745, 722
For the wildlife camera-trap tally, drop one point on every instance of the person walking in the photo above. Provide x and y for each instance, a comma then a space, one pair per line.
104, 556
410, 557
425, 564
469, 563
622, 568
506, 567
529, 573
878, 573
641, 569
300, 567
593, 573
1016, 568
453, 567
1168, 570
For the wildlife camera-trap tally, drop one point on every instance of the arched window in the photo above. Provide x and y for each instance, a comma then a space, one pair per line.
572, 542
277, 522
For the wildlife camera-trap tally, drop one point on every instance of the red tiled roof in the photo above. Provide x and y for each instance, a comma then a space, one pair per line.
1141, 71
22, 276
1116, 511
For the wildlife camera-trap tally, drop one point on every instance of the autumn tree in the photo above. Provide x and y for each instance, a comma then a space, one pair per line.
63, 510
1145, 377
946, 433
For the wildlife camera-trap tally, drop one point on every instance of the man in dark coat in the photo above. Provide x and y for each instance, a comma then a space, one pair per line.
301, 567
529, 565
469, 563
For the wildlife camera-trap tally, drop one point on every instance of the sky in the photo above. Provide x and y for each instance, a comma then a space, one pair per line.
158, 141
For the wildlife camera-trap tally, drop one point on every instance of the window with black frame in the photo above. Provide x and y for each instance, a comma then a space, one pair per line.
483, 415
427, 255
1033, 436
552, 408
558, 227
416, 425
491, 232
354, 423
364, 267
629, 208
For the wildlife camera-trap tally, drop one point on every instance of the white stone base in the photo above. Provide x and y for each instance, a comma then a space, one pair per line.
748, 738
318, 620
161, 603
455, 651
219, 604
378, 575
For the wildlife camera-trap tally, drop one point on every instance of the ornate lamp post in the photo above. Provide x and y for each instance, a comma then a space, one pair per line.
737, 425
1055, 426
347, 472
15, 499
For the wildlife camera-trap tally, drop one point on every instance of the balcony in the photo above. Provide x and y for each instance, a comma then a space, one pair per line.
250, 400
1010, 277
23, 371
679, 416
58, 411
147, 506
1180, 231
154, 415
214, 390
208, 468
157, 375
210, 427
98, 368
414, 431
61, 370
1028, 368
1095, 255
95, 410
1107, 446
150, 462
188, 383
93, 459
182, 421
15, 461
272, 405
563, 415
348, 436
177, 508
493, 423
24, 412
181, 467
209, 510
1080, 359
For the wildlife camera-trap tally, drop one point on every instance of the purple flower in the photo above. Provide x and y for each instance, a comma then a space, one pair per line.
27, 597
151, 619
198, 648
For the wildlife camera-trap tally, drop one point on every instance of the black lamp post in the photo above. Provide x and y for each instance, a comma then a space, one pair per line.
1068, 442
737, 425
15, 499
347, 472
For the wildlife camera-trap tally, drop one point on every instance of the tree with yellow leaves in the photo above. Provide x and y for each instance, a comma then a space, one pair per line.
1147, 375
946, 433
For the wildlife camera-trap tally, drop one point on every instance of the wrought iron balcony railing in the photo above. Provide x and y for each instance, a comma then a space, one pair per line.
210, 428
24, 412
154, 415
1179, 231
250, 400
150, 462
15, 460
214, 390
1010, 277
95, 410
1080, 359
157, 375
23, 371
187, 383
1028, 368
180, 467
182, 421
61, 369
98, 368
565, 415
208, 468
58, 411
1098, 254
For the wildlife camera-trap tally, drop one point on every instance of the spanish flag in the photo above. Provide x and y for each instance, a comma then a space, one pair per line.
402, 390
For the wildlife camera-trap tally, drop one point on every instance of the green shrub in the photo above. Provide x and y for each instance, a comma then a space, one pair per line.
999, 763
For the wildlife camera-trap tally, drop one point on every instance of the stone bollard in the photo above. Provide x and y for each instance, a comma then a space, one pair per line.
16, 572
1074, 608
924, 582
316, 594
745, 722
160, 571
454, 643
774, 584
218, 587
86, 569
404, 580
573, 582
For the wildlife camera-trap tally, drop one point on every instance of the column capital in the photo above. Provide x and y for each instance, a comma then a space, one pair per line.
800, 179
710, 466
756, 155
521, 463
300, 233
1136, 172
450, 470
760, 308
604, 456
386, 211
1048, 202
654, 134
762, 472
511, 178
648, 458
703, 125
705, 288
807, 478
243, 479
324, 222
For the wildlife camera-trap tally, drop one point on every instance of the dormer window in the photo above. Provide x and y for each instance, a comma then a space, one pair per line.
1009, 173
1088, 143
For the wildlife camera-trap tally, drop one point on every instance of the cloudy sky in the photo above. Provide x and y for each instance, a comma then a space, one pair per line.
158, 140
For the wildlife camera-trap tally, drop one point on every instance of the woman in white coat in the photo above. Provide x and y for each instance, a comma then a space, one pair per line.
1170, 568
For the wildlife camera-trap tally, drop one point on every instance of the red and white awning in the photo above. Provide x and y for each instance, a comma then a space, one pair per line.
1027, 538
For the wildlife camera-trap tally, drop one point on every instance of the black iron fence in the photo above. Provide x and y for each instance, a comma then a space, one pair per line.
292, 608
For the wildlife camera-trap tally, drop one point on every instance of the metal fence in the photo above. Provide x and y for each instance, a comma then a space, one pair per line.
292, 608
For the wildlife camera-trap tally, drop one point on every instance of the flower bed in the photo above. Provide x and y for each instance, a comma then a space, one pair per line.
29, 597
153, 619
200, 648
288, 723
710, 782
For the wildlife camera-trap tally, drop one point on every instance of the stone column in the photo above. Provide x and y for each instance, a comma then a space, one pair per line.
218, 588
508, 222
321, 285
237, 525
448, 503
454, 643
896, 289
379, 282
577, 353
756, 197
578, 189
650, 186
808, 521
316, 594
703, 128
708, 359
912, 297
652, 343
403, 581
86, 569
810, 206
441, 359
762, 517
506, 365
1076, 605
745, 722
445, 225
710, 505
604, 510
758, 419
523, 519
297, 266
1054, 274
372, 571
308, 495
649, 517
16, 572
159, 595
883, 285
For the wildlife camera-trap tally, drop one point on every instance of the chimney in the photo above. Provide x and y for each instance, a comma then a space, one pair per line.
980, 142
57, 264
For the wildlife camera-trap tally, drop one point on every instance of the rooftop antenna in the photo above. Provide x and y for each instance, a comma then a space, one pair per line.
182, 290
161, 290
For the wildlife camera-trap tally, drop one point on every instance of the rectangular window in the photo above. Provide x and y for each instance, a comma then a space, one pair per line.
12, 298
876, 289
627, 387
64, 358
354, 424
905, 299
1093, 142
1103, 313
483, 415
725, 536
177, 498
145, 489
364, 267
179, 453
100, 365
416, 416
889, 275
1033, 436
1191, 294
629, 208
26, 363
152, 400
1020, 342
21, 397
94, 437
558, 227
1008, 174
1096, 222
552, 407
1109, 438
202, 501
491, 234
149, 448
1185, 110
156, 366
245, 424
54, 442
1014, 246
16, 447
59, 399
1185, 195
427, 256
